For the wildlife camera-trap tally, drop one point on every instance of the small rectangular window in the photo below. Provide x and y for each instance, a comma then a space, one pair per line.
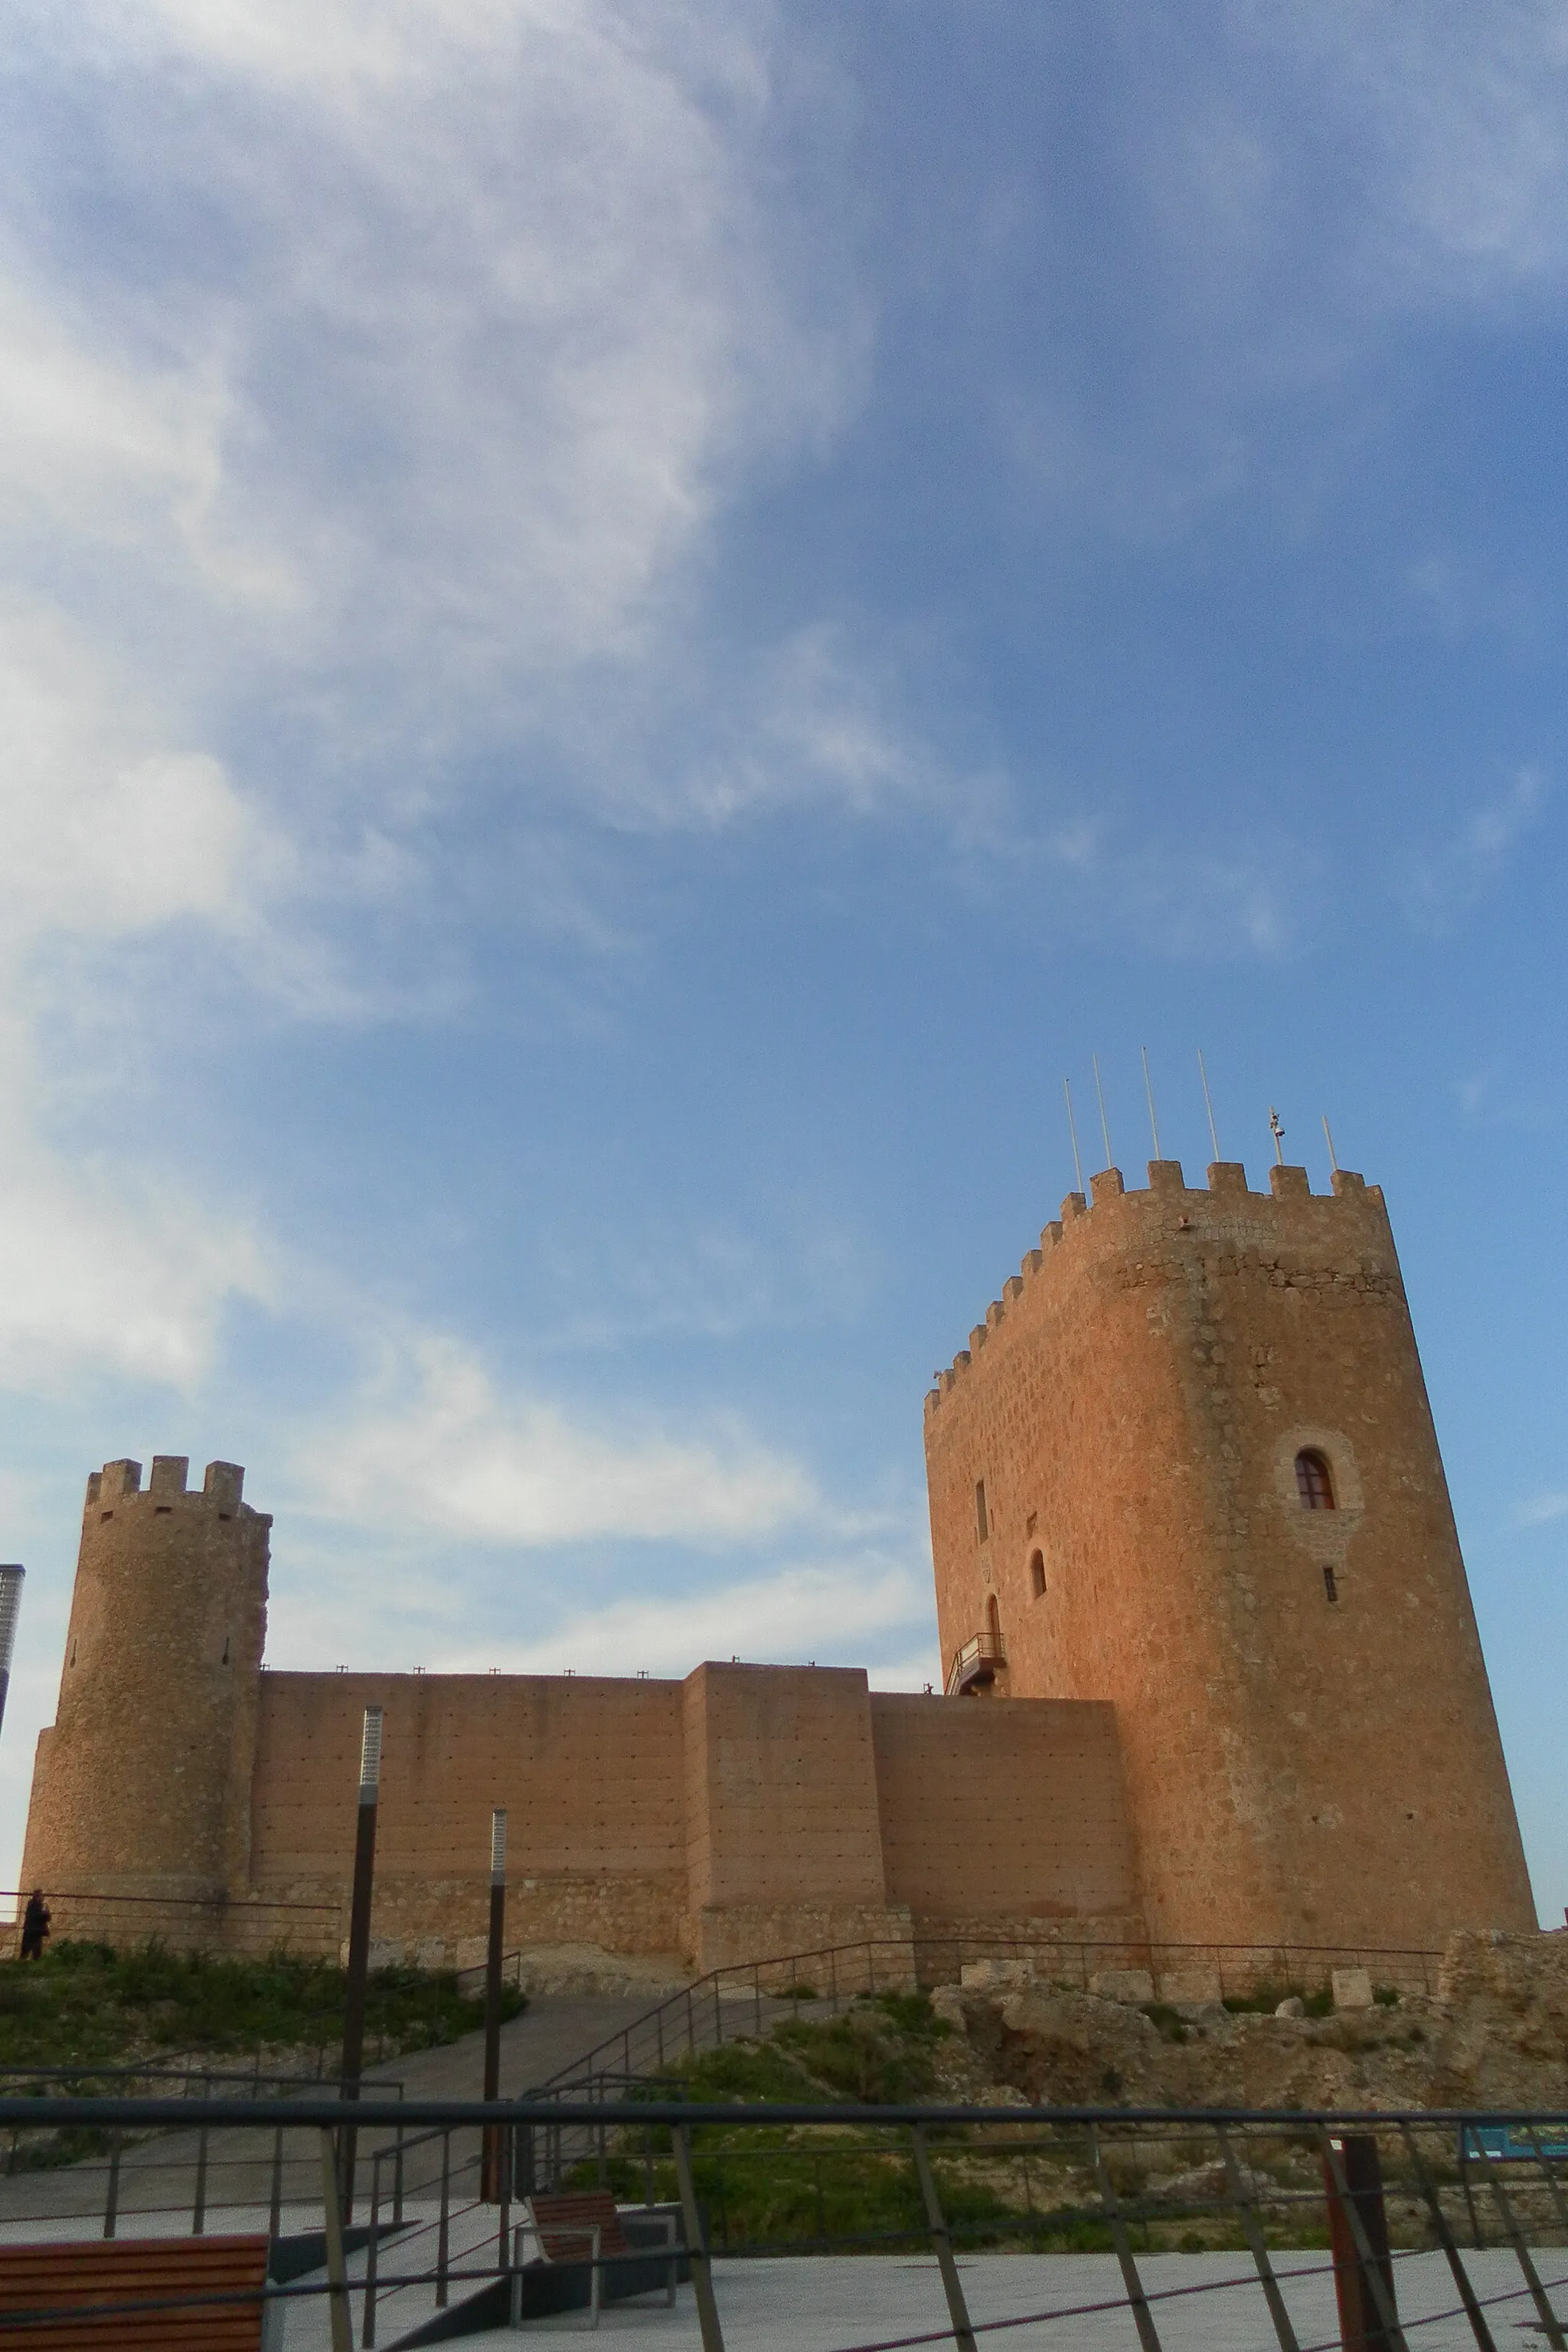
1330, 1585
981, 1523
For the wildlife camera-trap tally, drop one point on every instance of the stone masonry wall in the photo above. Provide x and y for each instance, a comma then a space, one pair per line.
750, 1813
141, 1785
996, 1815
785, 1848
1301, 1767
753, 1811
589, 1769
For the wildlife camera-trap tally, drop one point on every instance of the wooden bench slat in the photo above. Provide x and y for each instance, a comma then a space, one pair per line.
564, 2219
71, 2273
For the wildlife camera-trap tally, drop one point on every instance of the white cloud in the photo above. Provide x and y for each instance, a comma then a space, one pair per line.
828, 1612
105, 1271
496, 312
1440, 888
456, 1458
108, 829
1541, 1509
436, 379
105, 825
94, 442
1461, 124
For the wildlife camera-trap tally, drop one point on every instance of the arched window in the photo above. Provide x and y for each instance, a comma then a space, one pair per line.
1313, 1482
1037, 1573
994, 1624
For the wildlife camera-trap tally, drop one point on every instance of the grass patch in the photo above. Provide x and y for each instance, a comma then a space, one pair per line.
778, 2185
88, 2005
1265, 1999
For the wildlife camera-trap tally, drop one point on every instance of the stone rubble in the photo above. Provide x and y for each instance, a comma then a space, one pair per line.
1494, 2033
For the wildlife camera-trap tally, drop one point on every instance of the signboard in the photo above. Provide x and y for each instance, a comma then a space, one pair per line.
1515, 2143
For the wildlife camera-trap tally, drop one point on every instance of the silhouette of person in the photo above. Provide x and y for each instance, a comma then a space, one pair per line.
35, 1925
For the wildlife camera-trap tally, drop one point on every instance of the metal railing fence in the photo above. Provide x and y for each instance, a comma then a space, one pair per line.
751, 1997
247, 1928
1447, 2226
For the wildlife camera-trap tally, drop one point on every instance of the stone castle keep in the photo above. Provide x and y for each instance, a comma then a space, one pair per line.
1212, 1670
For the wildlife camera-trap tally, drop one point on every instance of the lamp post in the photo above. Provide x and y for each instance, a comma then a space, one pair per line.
359, 1934
493, 2186
10, 1608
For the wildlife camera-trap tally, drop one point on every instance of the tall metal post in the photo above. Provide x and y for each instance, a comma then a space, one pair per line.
337, 2269
10, 1606
1358, 2238
493, 2185
359, 1935
941, 2243
696, 2242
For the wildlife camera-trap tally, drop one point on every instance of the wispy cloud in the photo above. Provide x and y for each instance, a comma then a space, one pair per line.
446, 1453
497, 311
829, 1612
1541, 1509
1439, 888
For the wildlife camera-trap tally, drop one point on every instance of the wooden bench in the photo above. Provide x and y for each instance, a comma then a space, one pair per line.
566, 2220
584, 2226
202, 2292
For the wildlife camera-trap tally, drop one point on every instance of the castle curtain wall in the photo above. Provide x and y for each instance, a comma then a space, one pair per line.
750, 1812
1015, 1816
590, 1770
782, 1823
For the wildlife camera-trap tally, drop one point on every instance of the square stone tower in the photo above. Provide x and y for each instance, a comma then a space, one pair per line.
1187, 1464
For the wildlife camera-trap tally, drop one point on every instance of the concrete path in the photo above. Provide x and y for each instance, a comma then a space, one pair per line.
160, 2177
554, 2029
1074, 2303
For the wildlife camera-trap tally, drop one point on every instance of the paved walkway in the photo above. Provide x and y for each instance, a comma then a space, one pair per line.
1056, 2302
160, 2177
838, 2304
554, 2029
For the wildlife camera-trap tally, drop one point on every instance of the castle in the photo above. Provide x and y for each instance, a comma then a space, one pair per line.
1212, 1670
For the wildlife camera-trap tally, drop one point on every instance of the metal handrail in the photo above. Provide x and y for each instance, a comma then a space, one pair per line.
327, 2115
681, 2021
492, 2256
981, 1649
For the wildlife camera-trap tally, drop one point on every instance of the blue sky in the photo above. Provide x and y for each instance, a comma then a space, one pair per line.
624, 630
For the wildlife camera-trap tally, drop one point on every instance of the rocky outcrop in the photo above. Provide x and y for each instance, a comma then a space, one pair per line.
1493, 2034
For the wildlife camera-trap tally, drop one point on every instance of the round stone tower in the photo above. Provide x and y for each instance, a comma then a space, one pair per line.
1187, 1464
142, 1786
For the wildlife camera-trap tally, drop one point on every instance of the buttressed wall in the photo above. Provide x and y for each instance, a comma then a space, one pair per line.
1310, 1749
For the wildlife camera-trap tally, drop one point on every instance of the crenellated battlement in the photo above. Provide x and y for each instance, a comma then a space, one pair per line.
119, 1484
1187, 1464
1175, 1209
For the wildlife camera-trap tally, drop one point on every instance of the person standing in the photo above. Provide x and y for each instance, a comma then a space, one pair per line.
35, 1925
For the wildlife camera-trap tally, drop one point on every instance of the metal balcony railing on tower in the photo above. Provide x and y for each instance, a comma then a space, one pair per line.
975, 1667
